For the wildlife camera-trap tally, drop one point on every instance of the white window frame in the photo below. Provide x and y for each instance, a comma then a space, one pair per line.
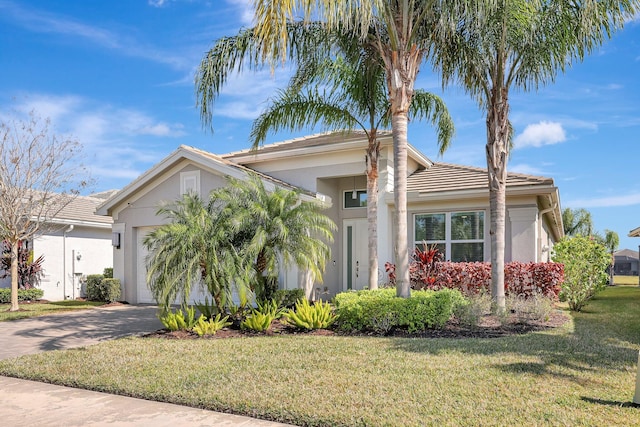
447, 242
190, 181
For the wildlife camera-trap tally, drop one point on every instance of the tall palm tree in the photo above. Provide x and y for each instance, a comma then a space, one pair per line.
518, 44
195, 247
611, 242
400, 32
354, 96
274, 229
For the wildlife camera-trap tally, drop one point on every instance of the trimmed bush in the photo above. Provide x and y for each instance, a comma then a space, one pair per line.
32, 294
108, 273
381, 310
102, 289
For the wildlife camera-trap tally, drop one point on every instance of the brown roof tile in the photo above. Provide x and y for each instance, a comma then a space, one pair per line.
443, 177
83, 208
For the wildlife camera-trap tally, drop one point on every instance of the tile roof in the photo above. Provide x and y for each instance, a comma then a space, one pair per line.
626, 253
316, 140
443, 177
83, 208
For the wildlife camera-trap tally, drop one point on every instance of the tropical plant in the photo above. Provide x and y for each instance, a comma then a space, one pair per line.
273, 229
611, 242
204, 326
207, 309
585, 263
193, 248
577, 222
505, 44
306, 316
353, 95
30, 270
178, 320
257, 321
287, 298
400, 33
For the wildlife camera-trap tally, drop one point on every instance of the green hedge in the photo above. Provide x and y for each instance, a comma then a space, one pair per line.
381, 310
288, 297
104, 289
32, 294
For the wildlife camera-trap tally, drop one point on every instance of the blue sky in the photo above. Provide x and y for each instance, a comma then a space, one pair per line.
118, 76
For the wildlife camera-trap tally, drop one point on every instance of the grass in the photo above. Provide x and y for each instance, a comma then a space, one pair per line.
625, 280
580, 374
40, 309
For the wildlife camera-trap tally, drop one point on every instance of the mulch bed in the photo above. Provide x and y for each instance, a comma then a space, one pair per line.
488, 327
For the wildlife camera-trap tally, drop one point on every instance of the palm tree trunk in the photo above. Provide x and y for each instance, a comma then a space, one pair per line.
402, 68
14, 277
373, 151
498, 133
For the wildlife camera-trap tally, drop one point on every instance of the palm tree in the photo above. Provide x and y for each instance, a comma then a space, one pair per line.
274, 230
195, 247
354, 95
400, 32
577, 222
518, 44
611, 242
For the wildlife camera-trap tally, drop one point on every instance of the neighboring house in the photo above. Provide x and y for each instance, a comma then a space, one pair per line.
448, 205
626, 262
76, 242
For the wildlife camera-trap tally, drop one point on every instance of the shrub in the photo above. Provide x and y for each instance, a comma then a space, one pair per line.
258, 322
102, 289
585, 264
471, 311
108, 273
381, 311
306, 316
207, 309
210, 326
32, 294
93, 287
288, 298
178, 321
270, 308
536, 307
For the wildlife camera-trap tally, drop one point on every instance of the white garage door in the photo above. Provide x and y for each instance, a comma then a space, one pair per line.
143, 292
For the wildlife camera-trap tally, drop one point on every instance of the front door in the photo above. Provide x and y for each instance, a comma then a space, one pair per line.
356, 254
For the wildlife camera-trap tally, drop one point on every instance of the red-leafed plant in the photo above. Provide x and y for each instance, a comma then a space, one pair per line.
423, 268
30, 270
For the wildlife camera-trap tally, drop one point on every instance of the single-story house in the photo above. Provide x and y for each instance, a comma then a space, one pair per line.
77, 242
626, 262
448, 205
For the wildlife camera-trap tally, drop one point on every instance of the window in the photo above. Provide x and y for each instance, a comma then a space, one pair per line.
360, 201
190, 182
458, 235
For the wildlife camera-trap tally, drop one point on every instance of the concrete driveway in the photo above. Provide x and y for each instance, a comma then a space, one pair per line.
38, 404
75, 329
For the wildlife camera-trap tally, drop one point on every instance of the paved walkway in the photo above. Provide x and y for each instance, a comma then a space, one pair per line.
28, 403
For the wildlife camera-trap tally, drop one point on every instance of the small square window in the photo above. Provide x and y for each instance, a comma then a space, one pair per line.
360, 201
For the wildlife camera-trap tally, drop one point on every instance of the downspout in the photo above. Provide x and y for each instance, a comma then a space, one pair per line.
64, 260
540, 214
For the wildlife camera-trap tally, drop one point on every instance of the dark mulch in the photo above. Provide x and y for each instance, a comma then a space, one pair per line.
488, 327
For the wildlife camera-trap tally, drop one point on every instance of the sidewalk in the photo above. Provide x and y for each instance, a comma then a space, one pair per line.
27, 404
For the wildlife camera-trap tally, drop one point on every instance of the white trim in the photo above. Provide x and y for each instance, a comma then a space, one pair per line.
190, 181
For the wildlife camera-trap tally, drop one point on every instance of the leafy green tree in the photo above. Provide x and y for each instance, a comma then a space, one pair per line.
353, 95
585, 264
611, 242
274, 229
505, 44
400, 31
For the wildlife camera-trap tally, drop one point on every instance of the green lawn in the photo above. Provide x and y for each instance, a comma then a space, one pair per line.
580, 374
40, 309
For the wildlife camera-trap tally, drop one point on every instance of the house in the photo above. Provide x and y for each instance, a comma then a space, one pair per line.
75, 243
626, 262
447, 205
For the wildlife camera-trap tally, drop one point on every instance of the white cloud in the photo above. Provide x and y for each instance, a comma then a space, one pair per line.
604, 202
45, 22
246, 10
539, 134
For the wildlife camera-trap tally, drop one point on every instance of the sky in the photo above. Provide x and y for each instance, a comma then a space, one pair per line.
118, 76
